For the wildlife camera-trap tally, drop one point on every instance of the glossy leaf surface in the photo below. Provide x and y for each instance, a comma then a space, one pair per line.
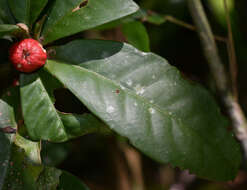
69, 17
40, 116
140, 96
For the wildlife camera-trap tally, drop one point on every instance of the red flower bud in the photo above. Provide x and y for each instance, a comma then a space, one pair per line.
27, 55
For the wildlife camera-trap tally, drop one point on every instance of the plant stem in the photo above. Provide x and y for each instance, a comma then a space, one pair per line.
209, 45
190, 26
218, 71
232, 55
134, 162
183, 24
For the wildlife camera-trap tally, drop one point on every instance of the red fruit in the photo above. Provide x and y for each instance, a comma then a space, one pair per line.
27, 55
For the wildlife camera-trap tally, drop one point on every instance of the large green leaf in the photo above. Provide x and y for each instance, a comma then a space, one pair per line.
142, 97
7, 130
66, 17
27, 11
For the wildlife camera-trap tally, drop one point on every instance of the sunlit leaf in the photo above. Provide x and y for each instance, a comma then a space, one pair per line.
140, 96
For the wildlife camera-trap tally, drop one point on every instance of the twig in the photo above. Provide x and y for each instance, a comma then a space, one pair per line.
121, 169
232, 55
134, 163
183, 181
218, 71
190, 26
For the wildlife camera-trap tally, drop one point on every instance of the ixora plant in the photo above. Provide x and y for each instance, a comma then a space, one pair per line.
138, 95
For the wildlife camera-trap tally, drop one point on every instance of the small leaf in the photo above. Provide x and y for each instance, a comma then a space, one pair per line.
155, 18
67, 18
22, 174
8, 29
141, 97
32, 149
26, 172
137, 35
40, 116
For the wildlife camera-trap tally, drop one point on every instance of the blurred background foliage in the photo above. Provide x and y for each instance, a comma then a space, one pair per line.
106, 161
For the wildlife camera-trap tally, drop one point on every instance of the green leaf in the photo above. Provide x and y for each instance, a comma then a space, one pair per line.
26, 172
8, 29
32, 149
8, 106
49, 179
137, 35
27, 11
69, 182
155, 18
50, 83
40, 116
5, 14
35, 9
67, 18
22, 174
7, 120
141, 97
79, 125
